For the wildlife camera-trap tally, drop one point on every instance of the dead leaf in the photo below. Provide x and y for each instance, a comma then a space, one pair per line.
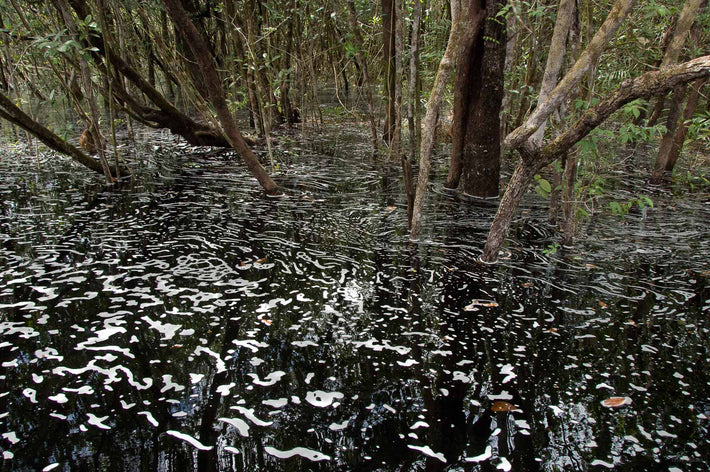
483, 303
267, 322
500, 406
616, 402
602, 304
391, 208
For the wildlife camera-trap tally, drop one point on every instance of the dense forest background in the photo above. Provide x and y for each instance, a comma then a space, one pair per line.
531, 81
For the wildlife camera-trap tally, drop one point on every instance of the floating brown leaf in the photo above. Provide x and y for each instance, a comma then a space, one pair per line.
483, 303
615, 402
501, 406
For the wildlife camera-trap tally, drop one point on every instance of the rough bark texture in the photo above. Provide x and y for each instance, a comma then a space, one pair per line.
671, 146
680, 35
413, 89
555, 60
434, 104
646, 85
519, 182
478, 96
216, 94
572, 79
388, 36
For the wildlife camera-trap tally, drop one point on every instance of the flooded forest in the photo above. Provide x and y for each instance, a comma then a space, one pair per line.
400, 235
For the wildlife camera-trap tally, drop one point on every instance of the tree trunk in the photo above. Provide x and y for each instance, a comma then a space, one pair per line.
668, 139
569, 205
685, 22
459, 16
555, 60
216, 94
571, 80
372, 114
670, 151
389, 20
12, 113
644, 86
478, 95
413, 89
519, 182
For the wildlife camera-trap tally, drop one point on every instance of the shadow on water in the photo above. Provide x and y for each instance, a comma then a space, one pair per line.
188, 322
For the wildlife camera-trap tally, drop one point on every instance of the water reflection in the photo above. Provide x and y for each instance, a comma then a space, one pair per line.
188, 322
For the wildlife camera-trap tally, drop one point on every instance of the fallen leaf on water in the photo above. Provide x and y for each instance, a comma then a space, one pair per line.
615, 402
589, 266
602, 304
261, 261
267, 322
483, 303
527, 284
500, 406
391, 208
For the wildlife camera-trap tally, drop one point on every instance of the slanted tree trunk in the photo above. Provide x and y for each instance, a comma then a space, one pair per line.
215, 93
644, 86
478, 96
671, 146
685, 22
574, 76
13, 114
459, 17
555, 60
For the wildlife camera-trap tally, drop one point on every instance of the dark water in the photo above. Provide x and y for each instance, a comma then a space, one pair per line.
188, 322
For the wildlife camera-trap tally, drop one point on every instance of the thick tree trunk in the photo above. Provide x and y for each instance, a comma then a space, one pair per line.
216, 94
458, 18
478, 95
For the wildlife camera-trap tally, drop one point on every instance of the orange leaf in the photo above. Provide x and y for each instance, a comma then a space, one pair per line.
267, 322
615, 402
483, 303
500, 406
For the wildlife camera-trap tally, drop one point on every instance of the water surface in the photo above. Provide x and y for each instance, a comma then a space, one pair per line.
185, 321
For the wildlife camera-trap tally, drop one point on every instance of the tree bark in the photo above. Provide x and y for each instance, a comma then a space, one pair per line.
372, 115
458, 16
644, 86
389, 20
12, 113
216, 94
685, 22
671, 146
555, 60
413, 89
571, 80
478, 96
